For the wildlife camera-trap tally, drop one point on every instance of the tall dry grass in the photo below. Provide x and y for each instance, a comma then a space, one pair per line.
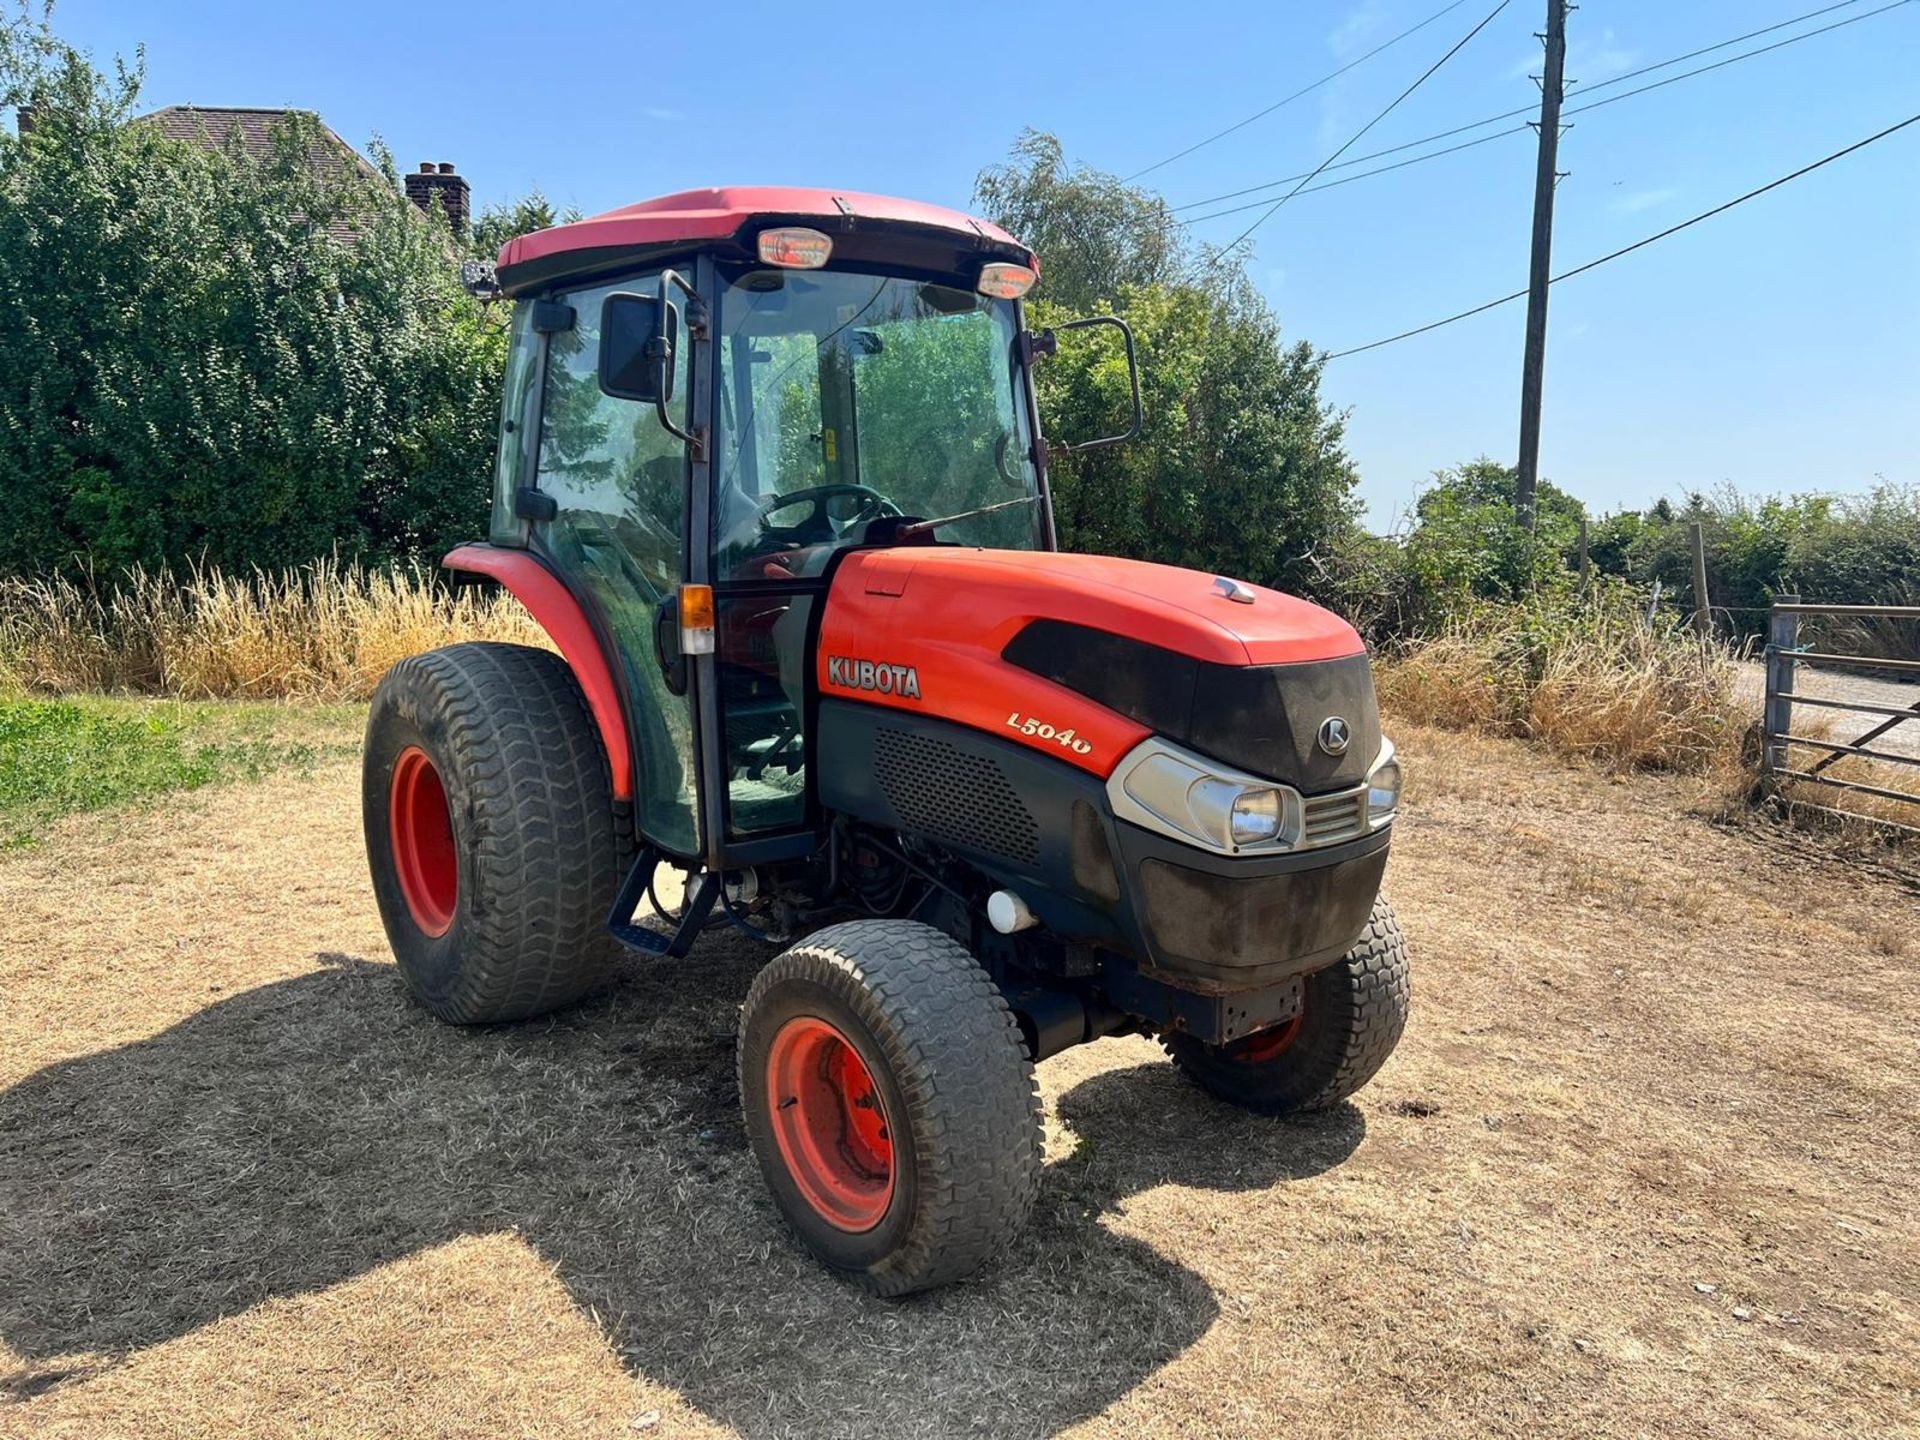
325, 631
1587, 677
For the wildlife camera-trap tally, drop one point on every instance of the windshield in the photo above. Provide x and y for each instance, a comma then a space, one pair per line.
845, 398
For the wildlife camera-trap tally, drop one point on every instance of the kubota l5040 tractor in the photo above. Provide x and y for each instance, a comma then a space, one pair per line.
770, 475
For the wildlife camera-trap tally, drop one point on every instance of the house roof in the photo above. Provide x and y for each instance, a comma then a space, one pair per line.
254, 125
724, 211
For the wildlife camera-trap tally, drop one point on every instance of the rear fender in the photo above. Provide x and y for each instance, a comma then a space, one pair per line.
556, 611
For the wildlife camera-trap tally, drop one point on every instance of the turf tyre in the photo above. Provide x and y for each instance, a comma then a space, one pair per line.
1352, 1016
533, 831
955, 1086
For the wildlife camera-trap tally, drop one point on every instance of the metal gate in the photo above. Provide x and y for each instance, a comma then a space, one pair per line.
1784, 660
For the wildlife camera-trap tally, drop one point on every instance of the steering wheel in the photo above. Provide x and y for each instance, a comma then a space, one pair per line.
818, 526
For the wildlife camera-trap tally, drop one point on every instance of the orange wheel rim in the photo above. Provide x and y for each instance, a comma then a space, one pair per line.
830, 1124
422, 829
1258, 1049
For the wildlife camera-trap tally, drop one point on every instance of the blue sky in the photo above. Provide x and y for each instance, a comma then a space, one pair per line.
1776, 347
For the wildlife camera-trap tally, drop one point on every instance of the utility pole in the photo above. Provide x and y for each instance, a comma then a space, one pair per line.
1552, 91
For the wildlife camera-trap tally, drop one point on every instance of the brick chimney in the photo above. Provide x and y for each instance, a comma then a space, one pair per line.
437, 184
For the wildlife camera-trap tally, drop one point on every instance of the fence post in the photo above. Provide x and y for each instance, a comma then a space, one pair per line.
1702, 606
1783, 640
1586, 565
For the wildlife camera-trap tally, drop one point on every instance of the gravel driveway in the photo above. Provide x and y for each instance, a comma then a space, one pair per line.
1844, 726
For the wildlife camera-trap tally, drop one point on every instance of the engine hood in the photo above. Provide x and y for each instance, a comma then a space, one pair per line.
1016, 643
1185, 611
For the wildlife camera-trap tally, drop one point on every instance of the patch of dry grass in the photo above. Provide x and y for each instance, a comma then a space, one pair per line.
1852, 807
326, 631
1590, 679
1642, 1166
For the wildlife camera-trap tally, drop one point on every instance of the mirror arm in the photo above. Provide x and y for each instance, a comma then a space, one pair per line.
660, 348
1051, 341
1047, 342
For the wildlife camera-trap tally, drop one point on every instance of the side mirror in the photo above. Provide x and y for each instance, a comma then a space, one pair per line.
1048, 343
637, 347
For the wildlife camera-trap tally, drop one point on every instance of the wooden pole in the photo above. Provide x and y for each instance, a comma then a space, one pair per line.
1586, 566
1540, 267
1702, 606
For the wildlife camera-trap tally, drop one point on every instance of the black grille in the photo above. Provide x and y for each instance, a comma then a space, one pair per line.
1262, 718
940, 791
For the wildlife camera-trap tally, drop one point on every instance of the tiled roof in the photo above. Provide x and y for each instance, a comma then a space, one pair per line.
212, 125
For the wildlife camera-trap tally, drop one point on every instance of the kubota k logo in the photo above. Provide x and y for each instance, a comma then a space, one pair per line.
877, 675
1335, 735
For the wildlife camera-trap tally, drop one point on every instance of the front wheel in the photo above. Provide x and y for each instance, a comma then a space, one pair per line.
1351, 1016
890, 1103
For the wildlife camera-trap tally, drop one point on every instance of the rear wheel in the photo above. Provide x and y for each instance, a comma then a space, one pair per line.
490, 831
1351, 1017
890, 1103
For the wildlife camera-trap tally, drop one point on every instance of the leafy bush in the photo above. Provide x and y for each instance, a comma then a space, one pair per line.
192, 368
1861, 550
1465, 548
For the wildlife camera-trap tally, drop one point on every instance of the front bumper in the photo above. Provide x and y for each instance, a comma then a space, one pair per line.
1218, 924
1177, 913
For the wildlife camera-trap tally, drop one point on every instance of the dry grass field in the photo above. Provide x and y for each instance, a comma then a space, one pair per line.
1644, 1165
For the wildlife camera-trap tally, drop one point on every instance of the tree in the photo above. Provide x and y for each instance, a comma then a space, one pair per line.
192, 367
1468, 543
1240, 467
498, 223
1095, 235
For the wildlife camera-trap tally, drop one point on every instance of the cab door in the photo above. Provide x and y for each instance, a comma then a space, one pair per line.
619, 481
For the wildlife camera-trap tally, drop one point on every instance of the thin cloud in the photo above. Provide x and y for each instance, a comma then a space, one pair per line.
1357, 30
664, 116
1639, 200
1588, 59
1356, 33
1602, 59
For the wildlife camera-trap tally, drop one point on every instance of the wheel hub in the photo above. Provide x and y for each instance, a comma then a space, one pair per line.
1259, 1048
424, 858
830, 1124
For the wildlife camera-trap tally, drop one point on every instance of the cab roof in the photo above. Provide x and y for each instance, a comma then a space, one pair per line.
736, 213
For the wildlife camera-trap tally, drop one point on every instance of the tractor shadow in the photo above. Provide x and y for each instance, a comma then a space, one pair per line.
297, 1135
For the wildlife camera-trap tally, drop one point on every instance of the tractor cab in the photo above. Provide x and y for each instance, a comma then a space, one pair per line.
771, 479
712, 396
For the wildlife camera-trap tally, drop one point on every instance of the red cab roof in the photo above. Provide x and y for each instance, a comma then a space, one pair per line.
721, 212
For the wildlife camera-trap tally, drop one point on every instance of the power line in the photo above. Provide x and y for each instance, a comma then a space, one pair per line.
1364, 174
1637, 245
1597, 85
1458, 46
1528, 109
1305, 90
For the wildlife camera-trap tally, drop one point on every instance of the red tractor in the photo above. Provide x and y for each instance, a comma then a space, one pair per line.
770, 475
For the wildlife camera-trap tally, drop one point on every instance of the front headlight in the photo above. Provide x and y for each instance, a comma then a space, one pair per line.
1256, 817
1184, 794
1383, 786
1189, 797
